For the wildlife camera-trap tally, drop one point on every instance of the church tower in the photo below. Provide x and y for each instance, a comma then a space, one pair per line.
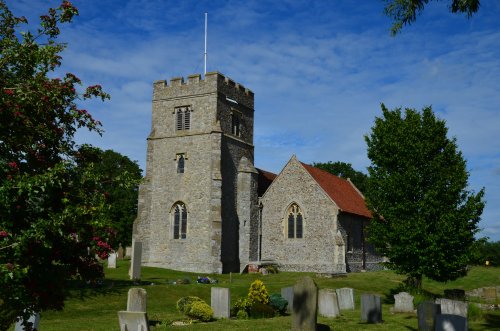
198, 202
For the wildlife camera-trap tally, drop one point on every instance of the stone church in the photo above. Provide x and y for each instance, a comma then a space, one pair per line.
204, 207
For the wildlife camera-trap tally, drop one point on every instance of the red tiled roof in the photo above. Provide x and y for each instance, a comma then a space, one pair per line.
264, 181
347, 198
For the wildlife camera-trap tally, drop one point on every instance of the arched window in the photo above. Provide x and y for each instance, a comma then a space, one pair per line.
180, 163
295, 222
180, 220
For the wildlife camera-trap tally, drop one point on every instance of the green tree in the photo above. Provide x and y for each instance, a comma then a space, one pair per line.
113, 168
425, 218
344, 170
487, 251
404, 12
51, 211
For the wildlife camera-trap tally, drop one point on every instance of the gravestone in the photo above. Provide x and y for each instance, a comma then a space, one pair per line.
287, 294
220, 301
426, 314
34, 319
346, 298
120, 253
135, 264
489, 294
133, 321
305, 305
128, 251
403, 303
453, 307
447, 322
371, 308
112, 261
137, 299
328, 304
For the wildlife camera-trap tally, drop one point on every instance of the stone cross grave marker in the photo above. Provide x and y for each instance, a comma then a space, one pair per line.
403, 303
137, 300
135, 265
305, 305
453, 307
426, 314
448, 322
112, 260
34, 319
133, 321
287, 294
328, 304
346, 298
220, 301
371, 308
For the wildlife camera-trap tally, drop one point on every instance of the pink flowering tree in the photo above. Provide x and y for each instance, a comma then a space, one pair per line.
54, 218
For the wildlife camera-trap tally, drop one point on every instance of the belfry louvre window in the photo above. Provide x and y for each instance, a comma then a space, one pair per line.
180, 221
236, 124
295, 222
183, 118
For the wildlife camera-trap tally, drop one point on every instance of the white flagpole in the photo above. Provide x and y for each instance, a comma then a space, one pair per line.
206, 28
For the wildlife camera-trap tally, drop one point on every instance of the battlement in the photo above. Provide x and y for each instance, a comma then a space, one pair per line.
212, 79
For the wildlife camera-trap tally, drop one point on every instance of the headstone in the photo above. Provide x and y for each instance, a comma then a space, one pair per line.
305, 305
120, 253
287, 294
453, 307
489, 294
112, 261
346, 298
371, 308
447, 322
328, 304
128, 251
137, 300
426, 314
135, 264
220, 302
133, 321
403, 303
34, 319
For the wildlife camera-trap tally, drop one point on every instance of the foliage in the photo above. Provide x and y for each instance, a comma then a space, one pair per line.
272, 268
424, 217
405, 12
114, 168
258, 292
51, 210
278, 303
261, 310
487, 251
344, 170
242, 315
242, 304
200, 310
184, 303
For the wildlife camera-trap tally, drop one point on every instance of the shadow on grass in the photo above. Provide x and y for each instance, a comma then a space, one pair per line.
83, 290
420, 295
491, 320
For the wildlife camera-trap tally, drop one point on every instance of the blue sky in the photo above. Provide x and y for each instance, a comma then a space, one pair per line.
319, 71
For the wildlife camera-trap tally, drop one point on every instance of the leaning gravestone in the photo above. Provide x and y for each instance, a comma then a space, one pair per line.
371, 308
220, 302
287, 294
426, 314
305, 305
346, 298
135, 265
137, 300
447, 322
403, 303
133, 321
112, 261
328, 304
453, 307
33, 319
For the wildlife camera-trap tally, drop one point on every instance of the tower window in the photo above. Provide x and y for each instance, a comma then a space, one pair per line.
295, 222
236, 124
183, 118
180, 221
181, 162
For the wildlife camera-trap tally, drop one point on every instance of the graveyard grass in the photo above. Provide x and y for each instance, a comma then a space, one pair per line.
95, 308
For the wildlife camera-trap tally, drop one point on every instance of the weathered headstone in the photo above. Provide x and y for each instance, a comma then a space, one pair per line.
135, 264
34, 319
305, 305
371, 308
453, 307
287, 294
403, 303
426, 314
489, 294
128, 251
137, 300
220, 302
328, 304
120, 253
112, 260
133, 321
346, 298
448, 322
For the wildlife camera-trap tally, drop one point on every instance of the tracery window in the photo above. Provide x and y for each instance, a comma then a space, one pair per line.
183, 118
295, 224
180, 220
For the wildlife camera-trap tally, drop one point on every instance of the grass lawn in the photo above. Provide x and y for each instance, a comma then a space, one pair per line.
96, 308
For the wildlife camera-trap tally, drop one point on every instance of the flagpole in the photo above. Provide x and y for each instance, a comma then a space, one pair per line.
206, 28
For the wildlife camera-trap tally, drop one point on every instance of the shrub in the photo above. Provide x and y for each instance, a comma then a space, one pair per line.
184, 303
242, 304
272, 269
278, 303
258, 292
242, 315
200, 310
261, 310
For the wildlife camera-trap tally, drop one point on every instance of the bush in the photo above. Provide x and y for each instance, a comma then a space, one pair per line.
200, 310
242, 304
278, 303
261, 310
184, 303
258, 293
242, 314
272, 268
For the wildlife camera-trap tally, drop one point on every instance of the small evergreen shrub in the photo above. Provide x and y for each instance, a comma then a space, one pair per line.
184, 303
242, 304
242, 314
261, 310
258, 292
200, 310
272, 269
278, 303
